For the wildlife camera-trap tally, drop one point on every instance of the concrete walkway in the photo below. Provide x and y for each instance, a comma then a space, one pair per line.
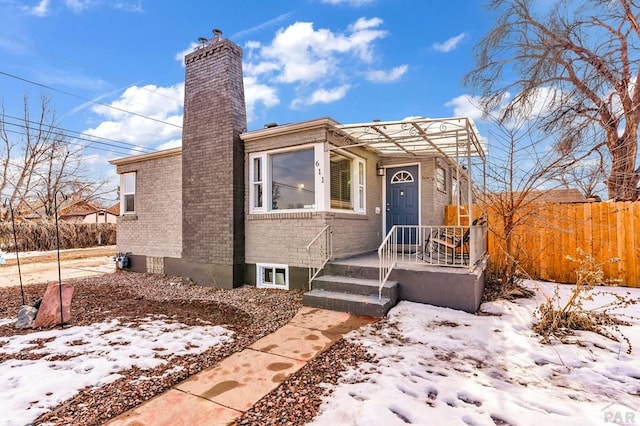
222, 393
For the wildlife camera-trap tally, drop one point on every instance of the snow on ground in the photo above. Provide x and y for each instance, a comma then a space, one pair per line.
439, 366
76, 357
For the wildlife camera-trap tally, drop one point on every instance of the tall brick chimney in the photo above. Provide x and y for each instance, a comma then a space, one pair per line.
213, 164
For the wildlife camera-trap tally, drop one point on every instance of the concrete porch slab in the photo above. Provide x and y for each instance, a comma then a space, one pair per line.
296, 342
176, 408
240, 380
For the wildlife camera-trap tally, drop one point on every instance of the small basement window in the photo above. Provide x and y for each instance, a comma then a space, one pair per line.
272, 276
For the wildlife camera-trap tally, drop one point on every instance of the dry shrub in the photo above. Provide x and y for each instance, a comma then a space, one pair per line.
496, 289
41, 236
561, 320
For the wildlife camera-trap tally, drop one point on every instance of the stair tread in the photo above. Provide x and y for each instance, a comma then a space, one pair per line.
348, 296
354, 280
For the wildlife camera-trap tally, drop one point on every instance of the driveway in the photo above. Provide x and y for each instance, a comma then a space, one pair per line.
39, 267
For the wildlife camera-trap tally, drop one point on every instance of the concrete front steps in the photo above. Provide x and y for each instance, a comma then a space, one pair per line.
351, 289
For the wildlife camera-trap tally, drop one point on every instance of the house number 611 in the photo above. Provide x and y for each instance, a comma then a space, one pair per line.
319, 171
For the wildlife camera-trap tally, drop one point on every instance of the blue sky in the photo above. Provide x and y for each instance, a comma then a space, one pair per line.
352, 60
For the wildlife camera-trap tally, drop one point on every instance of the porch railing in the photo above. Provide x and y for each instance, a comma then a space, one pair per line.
388, 257
451, 246
319, 252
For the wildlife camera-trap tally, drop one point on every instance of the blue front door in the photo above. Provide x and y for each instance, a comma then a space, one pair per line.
402, 199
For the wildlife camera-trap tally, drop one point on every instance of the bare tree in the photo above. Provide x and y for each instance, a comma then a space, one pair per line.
587, 175
581, 57
24, 146
521, 170
38, 162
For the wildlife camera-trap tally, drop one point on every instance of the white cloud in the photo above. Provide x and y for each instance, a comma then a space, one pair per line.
355, 3
180, 55
303, 54
174, 143
41, 10
263, 67
77, 5
450, 44
322, 96
380, 76
539, 104
365, 24
162, 104
255, 93
466, 106
129, 6
319, 64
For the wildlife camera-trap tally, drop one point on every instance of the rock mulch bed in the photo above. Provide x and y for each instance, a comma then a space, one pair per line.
249, 312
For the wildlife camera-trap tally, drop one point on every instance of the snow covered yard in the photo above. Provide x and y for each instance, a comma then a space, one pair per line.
42, 369
439, 366
131, 337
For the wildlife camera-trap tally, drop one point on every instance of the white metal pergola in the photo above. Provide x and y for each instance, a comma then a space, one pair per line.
455, 139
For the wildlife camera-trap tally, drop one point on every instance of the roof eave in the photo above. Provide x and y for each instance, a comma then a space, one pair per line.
279, 130
145, 157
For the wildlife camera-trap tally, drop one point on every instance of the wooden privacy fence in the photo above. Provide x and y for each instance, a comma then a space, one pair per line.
551, 231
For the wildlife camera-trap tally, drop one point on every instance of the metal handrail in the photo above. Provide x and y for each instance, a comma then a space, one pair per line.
314, 269
451, 246
388, 258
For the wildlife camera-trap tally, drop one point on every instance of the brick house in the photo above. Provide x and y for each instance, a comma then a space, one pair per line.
280, 206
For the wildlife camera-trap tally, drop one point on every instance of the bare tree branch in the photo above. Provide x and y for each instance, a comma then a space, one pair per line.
585, 56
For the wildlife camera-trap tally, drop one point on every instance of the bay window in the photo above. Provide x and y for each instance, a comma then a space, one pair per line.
300, 179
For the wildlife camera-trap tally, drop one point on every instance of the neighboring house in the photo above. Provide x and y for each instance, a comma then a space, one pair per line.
69, 210
560, 195
269, 207
85, 212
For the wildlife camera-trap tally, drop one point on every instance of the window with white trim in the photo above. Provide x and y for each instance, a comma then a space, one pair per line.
128, 193
361, 182
282, 181
257, 182
402, 176
441, 179
272, 276
301, 179
347, 184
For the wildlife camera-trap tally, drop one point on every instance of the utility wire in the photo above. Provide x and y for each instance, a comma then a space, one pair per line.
83, 64
87, 99
55, 127
115, 149
23, 132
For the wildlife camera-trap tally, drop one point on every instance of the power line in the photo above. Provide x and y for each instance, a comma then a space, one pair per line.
115, 149
81, 64
87, 99
24, 132
52, 127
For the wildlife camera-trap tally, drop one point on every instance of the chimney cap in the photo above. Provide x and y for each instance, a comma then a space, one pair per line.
217, 33
270, 125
